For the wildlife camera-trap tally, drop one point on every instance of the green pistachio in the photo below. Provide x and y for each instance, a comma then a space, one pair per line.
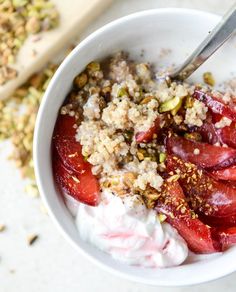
170, 104
162, 157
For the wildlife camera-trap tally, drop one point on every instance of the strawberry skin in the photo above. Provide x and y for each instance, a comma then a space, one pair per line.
228, 135
72, 174
226, 236
173, 204
206, 195
83, 187
65, 126
217, 106
70, 153
209, 156
147, 136
225, 174
208, 131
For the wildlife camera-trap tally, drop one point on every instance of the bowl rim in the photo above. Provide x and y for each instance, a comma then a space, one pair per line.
218, 274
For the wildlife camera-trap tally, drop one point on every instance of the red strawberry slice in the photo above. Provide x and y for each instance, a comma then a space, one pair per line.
147, 136
198, 236
72, 173
226, 236
224, 221
208, 131
70, 153
206, 195
212, 135
65, 126
228, 135
69, 150
225, 174
216, 105
201, 154
83, 187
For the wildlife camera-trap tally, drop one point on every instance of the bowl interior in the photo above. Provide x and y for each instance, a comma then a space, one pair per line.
153, 33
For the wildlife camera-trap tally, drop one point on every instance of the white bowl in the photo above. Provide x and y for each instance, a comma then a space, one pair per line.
178, 29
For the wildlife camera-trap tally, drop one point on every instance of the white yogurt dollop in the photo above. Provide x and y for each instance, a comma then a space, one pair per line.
130, 233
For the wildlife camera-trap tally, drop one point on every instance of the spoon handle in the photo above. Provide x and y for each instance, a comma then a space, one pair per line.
212, 42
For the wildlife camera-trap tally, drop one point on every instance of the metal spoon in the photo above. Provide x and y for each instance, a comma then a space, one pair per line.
217, 37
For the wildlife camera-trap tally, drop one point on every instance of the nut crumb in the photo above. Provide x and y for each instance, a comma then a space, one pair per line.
43, 209
208, 78
196, 151
32, 238
2, 227
19, 20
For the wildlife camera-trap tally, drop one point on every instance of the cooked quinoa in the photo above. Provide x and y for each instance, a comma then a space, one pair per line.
116, 100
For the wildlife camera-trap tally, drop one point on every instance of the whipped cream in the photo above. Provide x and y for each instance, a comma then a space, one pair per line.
130, 232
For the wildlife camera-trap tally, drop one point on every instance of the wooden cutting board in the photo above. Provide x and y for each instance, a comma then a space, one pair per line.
39, 49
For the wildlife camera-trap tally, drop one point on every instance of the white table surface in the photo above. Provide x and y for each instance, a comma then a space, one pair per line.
51, 264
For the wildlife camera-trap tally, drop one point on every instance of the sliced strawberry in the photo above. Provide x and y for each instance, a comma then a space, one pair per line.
147, 136
212, 135
215, 117
69, 150
216, 105
70, 153
224, 221
225, 174
226, 236
228, 135
208, 131
172, 203
83, 187
201, 154
206, 195
65, 126
72, 173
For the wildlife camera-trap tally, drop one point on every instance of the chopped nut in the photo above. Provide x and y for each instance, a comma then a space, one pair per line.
32, 238
19, 18
196, 151
208, 78
33, 25
18, 124
195, 136
170, 105
19, 3
129, 178
122, 92
43, 209
146, 99
189, 101
177, 108
81, 80
174, 177
140, 155
93, 67
162, 157
2, 227
162, 217
32, 190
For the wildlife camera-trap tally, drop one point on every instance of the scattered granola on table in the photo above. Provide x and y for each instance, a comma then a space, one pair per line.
19, 19
17, 120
